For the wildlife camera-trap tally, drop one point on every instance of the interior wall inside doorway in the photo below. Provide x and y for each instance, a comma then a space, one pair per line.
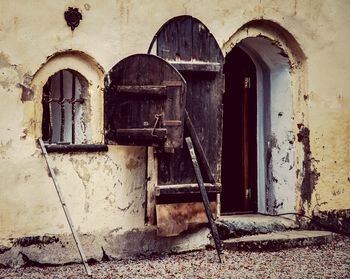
276, 173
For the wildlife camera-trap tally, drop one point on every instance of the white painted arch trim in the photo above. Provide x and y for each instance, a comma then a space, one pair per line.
92, 71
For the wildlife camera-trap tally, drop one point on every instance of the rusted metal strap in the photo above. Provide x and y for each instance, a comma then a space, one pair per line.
65, 209
62, 107
213, 228
199, 148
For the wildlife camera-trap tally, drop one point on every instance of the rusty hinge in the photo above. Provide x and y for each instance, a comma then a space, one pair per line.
248, 194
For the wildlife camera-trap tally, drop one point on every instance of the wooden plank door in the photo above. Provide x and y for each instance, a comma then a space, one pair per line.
144, 103
187, 44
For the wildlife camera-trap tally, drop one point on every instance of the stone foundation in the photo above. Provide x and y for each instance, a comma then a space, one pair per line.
333, 220
61, 249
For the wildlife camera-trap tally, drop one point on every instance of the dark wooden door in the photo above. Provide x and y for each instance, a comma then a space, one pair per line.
239, 161
187, 44
144, 103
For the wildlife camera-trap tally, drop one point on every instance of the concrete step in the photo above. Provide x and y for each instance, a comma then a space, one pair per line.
251, 224
278, 240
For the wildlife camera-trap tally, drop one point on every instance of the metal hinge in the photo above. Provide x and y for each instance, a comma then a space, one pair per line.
248, 194
247, 82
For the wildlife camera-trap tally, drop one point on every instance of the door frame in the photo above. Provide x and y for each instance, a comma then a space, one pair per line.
272, 198
239, 154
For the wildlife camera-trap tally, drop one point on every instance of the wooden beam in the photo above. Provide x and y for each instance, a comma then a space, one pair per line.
76, 148
199, 148
142, 90
152, 173
213, 228
141, 135
185, 189
65, 209
210, 67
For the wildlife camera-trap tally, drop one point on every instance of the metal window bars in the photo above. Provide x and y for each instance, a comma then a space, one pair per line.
49, 97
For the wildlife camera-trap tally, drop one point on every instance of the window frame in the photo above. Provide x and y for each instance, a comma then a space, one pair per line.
94, 73
82, 99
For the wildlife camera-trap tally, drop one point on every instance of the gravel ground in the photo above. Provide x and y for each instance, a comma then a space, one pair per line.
327, 261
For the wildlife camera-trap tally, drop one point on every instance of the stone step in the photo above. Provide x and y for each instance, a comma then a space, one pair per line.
278, 240
251, 224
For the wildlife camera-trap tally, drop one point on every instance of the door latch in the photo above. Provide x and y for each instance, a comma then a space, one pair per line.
158, 117
248, 194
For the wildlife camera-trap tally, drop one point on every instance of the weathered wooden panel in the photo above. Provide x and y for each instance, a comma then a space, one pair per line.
145, 136
172, 219
144, 96
171, 49
142, 90
203, 102
197, 67
185, 189
186, 43
201, 38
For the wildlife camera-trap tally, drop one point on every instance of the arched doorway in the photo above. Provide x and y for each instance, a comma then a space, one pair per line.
259, 166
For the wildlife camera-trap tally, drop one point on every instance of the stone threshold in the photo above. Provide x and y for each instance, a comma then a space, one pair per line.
252, 224
278, 240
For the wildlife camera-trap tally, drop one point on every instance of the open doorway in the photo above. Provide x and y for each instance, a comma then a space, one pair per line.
239, 156
258, 166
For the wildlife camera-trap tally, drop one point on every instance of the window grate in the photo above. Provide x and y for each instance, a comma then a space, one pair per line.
62, 111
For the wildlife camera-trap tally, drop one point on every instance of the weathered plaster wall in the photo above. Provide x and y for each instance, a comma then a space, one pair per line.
105, 191
329, 111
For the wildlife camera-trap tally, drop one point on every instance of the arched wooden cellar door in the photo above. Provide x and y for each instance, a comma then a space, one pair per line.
186, 43
144, 103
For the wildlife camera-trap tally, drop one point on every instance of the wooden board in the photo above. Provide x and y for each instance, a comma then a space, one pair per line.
172, 219
185, 189
197, 67
146, 136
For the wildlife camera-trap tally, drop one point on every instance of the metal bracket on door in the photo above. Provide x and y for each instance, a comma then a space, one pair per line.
158, 117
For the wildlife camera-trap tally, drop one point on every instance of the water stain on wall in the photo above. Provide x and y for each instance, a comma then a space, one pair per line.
311, 174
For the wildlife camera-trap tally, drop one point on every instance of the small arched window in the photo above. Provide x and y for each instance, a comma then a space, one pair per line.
64, 102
